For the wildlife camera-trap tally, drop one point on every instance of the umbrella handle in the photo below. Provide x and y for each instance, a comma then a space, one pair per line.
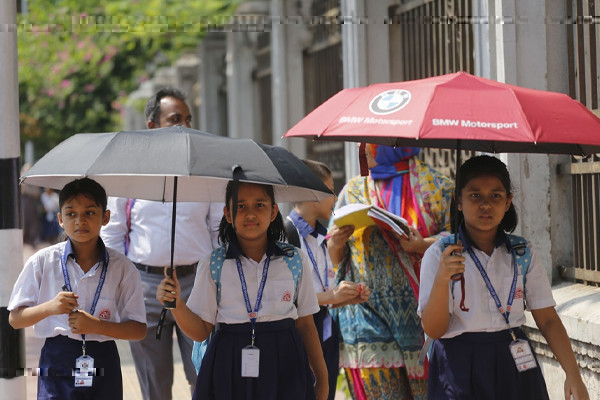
456, 277
172, 304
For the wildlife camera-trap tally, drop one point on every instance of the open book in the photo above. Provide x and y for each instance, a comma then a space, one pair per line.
361, 215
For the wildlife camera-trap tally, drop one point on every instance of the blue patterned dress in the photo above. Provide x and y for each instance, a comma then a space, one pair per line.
382, 337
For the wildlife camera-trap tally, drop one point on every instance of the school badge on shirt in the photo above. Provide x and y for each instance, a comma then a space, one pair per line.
104, 314
287, 296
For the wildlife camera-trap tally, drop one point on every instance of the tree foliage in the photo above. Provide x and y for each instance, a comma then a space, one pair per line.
79, 59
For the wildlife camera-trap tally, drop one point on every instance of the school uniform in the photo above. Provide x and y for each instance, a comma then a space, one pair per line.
472, 360
119, 299
147, 224
323, 279
284, 371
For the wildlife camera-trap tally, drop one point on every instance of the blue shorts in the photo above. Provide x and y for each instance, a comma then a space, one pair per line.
57, 363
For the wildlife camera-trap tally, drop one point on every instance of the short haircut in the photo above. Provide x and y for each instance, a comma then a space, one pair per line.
85, 186
153, 104
319, 169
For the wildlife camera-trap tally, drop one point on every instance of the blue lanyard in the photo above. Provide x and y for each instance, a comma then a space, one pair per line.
316, 267
63, 264
253, 314
488, 283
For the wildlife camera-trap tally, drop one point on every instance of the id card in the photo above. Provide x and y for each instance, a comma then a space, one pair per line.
84, 371
522, 354
250, 362
327, 325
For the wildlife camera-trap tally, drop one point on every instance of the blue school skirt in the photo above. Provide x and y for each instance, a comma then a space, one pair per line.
479, 366
283, 364
330, 347
57, 364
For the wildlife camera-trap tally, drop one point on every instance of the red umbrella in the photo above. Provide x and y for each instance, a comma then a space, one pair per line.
456, 111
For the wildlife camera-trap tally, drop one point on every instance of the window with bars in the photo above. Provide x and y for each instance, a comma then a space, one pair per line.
323, 77
582, 41
431, 38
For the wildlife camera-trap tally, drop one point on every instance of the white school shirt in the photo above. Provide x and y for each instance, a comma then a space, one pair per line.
322, 258
121, 298
278, 295
483, 315
196, 230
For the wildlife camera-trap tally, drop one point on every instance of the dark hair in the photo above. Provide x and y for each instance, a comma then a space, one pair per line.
321, 170
275, 232
85, 186
489, 166
153, 104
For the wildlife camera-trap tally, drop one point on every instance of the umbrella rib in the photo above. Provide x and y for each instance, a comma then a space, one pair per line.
337, 117
106, 146
523, 116
422, 122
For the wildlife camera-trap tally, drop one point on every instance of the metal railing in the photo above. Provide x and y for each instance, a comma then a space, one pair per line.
582, 43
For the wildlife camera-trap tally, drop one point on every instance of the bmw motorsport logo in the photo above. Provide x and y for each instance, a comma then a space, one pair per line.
389, 101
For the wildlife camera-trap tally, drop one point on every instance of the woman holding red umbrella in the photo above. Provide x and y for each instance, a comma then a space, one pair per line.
382, 337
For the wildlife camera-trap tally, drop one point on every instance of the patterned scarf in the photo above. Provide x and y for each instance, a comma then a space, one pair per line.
396, 191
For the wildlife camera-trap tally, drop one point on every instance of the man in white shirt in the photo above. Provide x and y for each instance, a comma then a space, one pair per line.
141, 229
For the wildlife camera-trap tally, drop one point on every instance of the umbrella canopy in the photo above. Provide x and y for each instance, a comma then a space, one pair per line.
456, 111
174, 164
144, 164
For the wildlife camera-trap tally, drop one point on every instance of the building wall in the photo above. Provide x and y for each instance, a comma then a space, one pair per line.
514, 45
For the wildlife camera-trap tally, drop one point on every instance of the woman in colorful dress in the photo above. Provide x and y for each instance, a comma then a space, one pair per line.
382, 338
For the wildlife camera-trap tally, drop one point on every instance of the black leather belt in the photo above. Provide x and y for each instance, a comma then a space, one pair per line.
182, 270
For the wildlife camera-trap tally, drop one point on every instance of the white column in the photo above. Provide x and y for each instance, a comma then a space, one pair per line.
11, 234
212, 56
287, 40
365, 52
354, 56
240, 62
520, 59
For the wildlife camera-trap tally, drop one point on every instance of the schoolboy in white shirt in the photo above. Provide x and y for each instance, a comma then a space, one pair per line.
80, 295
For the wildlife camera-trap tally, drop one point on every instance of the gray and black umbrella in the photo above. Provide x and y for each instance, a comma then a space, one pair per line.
145, 164
174, 164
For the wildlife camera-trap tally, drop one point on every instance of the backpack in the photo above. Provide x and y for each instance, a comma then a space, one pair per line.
291, 232
522, 254
217, 257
